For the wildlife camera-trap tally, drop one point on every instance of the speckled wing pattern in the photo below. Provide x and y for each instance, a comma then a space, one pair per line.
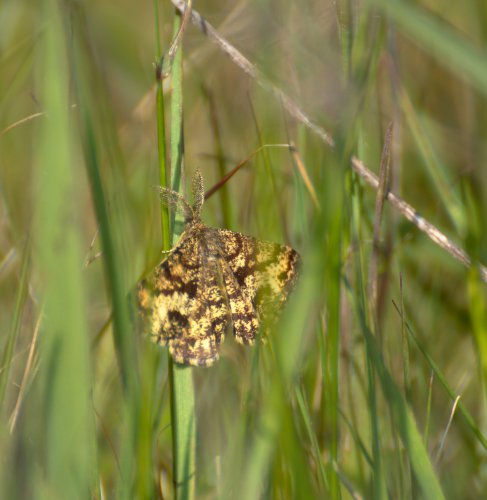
263, 274
215, 278
183, 303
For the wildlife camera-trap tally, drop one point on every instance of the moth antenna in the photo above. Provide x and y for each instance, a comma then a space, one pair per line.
198, 192
175, 201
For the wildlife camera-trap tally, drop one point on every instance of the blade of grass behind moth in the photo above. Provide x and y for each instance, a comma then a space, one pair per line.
16, 321
68, 435
183, 413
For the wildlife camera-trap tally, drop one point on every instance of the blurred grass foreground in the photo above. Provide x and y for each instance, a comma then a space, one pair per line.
373, 383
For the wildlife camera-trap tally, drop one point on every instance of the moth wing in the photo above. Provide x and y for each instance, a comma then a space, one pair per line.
264, 272
244, 316
184, 305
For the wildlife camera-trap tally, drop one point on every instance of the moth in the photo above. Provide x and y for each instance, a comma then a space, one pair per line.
212, 281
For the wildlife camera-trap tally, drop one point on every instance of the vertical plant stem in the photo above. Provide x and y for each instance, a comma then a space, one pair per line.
161, 134
180, 377
184, 429
333, 221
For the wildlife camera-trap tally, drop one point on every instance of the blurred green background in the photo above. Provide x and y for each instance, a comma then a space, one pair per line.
349, 398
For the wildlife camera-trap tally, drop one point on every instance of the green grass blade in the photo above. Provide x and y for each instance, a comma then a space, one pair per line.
184, 429
308, 423
478, 313
161, 133
183, 410
65, 368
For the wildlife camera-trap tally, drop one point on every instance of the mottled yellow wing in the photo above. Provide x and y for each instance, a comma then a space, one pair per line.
184, 304
263, 274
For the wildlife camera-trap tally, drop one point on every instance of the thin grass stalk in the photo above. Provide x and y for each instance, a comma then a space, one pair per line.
333, 287
478, 314
378, 479
427, 424
161, 132
16, 321
379, 484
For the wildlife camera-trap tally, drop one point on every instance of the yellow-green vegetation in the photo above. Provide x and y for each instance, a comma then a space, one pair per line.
373, 383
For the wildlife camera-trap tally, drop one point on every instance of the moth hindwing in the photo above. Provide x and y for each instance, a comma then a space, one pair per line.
212, 280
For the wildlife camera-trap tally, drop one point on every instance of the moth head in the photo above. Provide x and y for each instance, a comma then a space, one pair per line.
175, 201
198, 193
